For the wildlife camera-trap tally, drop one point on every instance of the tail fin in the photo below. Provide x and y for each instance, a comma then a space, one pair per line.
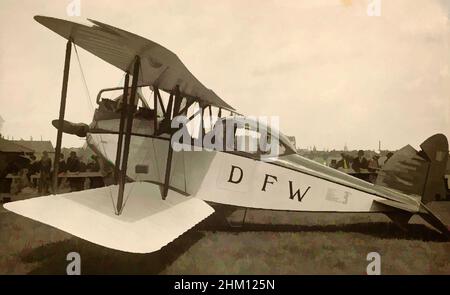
419, 173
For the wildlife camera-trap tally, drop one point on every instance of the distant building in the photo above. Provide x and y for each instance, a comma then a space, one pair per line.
37, 146
9, 146
9, 150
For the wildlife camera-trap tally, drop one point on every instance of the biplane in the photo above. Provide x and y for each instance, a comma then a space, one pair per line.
161, 191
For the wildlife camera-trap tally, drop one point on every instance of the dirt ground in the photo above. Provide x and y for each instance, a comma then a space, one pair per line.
270, 243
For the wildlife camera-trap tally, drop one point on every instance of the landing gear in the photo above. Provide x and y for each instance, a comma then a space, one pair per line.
225, 216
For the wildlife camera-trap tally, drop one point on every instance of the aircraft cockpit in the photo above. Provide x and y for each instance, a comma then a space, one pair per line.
205, 124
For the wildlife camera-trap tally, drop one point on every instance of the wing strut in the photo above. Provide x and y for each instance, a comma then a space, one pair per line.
176, 111
130, 109
123, 115
62, 110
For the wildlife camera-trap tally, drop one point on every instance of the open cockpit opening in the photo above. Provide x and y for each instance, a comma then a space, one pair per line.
154, 111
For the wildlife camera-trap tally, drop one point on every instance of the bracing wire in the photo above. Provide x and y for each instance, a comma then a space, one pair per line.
88, 96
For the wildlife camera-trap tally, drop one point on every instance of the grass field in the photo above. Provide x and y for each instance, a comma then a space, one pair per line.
269, 243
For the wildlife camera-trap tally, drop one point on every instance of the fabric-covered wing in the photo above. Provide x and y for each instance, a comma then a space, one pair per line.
160, 66
147, 222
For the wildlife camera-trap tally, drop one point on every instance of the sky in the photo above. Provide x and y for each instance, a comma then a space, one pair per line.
333, 72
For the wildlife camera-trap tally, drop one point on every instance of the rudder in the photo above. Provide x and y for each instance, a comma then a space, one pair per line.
418, 173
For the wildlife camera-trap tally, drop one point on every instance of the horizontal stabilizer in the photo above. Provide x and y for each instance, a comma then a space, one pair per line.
398, 205
147, 222
418, 173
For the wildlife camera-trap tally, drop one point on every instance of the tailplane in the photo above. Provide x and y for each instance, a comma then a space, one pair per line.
419, 173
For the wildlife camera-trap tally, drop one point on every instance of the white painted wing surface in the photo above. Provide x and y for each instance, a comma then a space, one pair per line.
146, 224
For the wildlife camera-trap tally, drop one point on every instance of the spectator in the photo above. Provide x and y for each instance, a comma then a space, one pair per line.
62, 164
94, 166
343, 163
373, 168
333, 163
61, 167
33, 168
45, 169
83, 166
11, 168
73, 165
373, 165
360, 162
388, 156
22, 181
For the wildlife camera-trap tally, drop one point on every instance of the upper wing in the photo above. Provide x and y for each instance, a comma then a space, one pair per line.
160, 67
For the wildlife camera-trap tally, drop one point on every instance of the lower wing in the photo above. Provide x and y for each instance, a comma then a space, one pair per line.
146, 224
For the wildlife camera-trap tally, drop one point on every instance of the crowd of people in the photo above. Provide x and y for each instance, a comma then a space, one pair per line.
360, 166
23, 172
360, 162
43, 168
